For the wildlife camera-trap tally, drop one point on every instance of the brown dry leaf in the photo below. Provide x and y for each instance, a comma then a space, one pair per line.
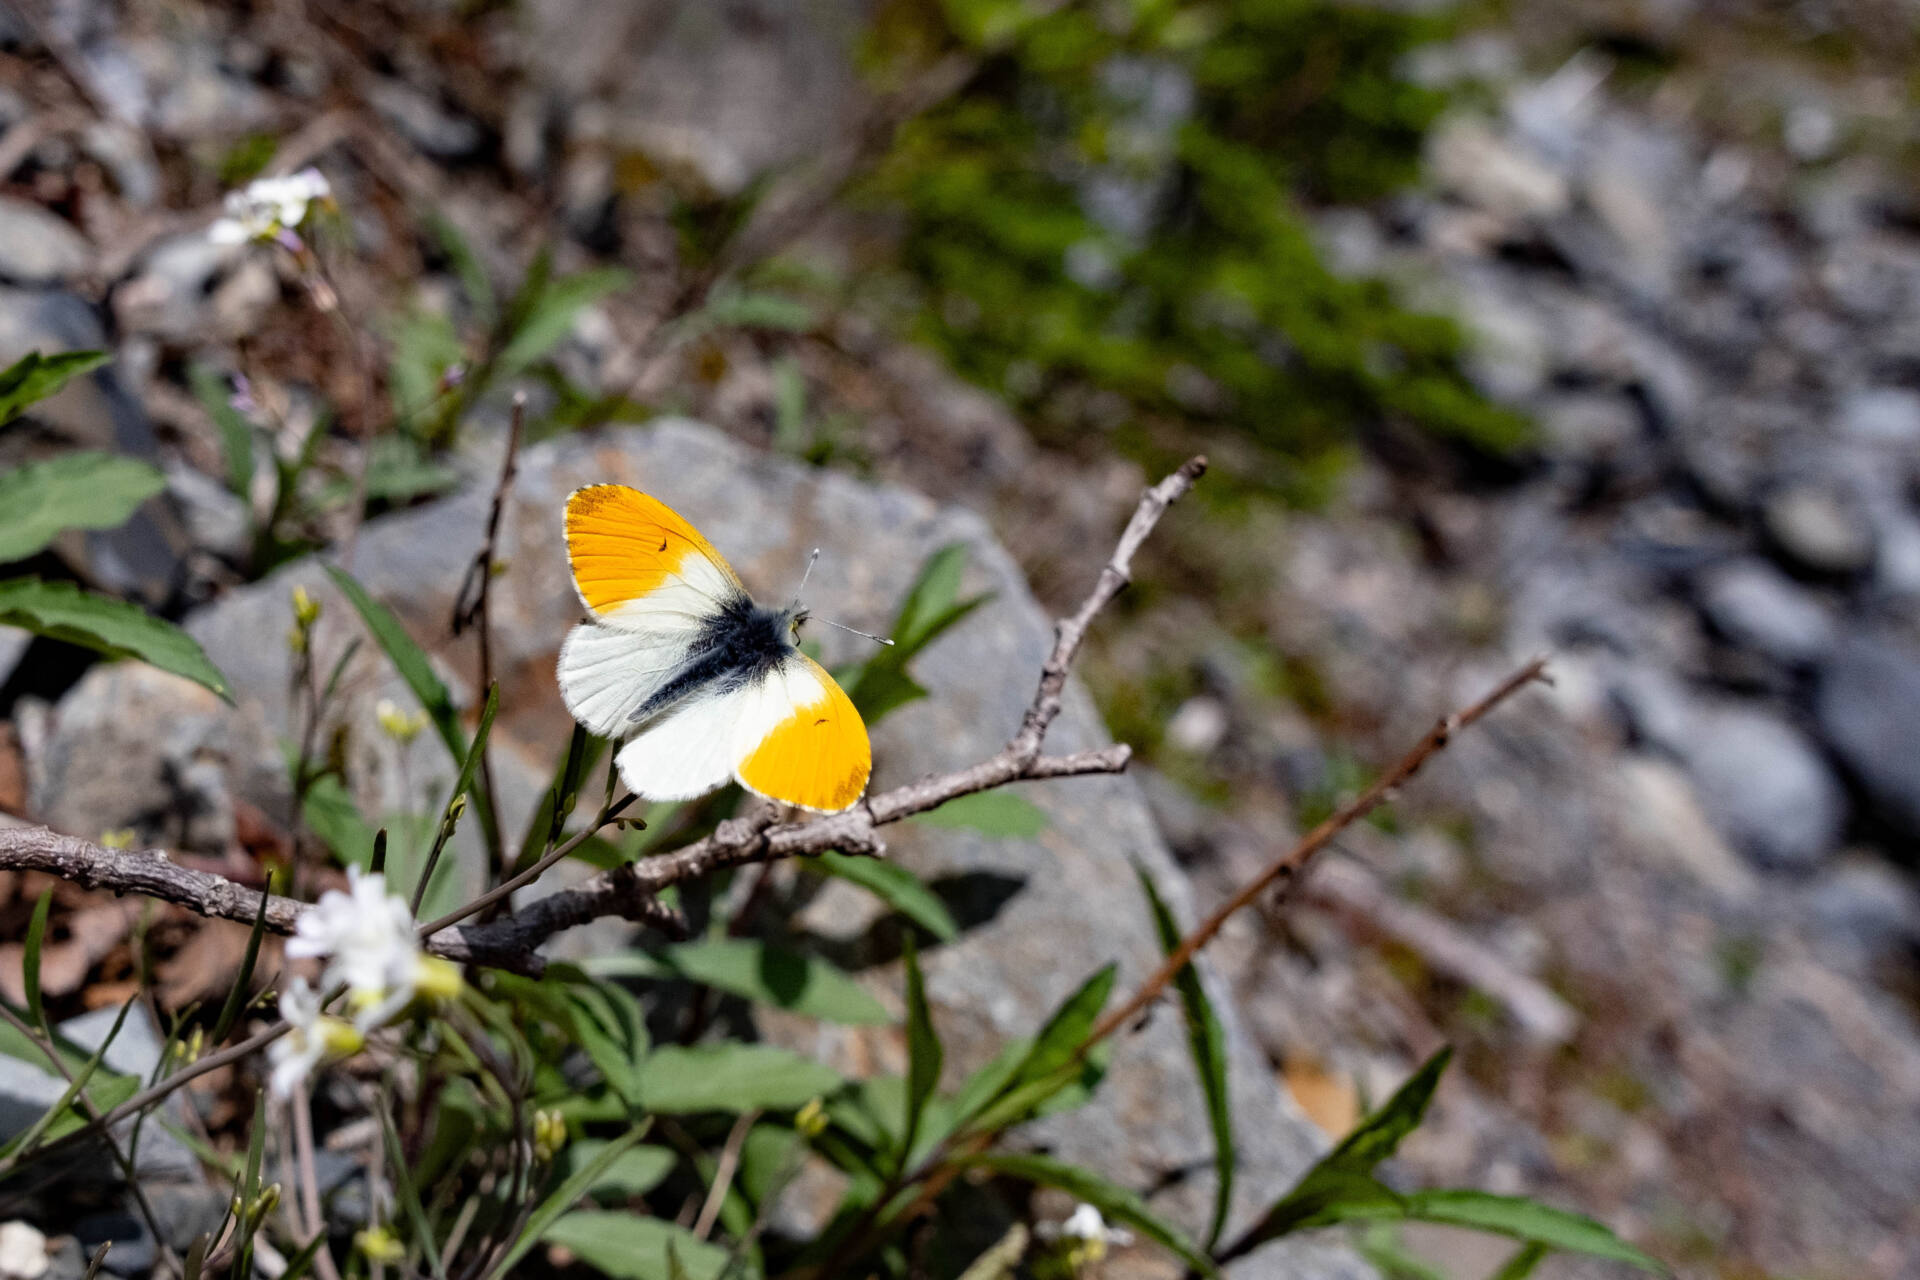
13, 771
91, 934
1330, 1101
205, 966
103, 995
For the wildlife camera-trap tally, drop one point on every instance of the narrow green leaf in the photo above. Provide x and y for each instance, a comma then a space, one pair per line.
1115, 1203
410, 1195
612, 1027
194, 1265
474, 281
1528, 1220
34, 377
925, 1056
550, 315
113, 627
30, 959
932, 605
563, 1198
735, 308
1380, 1244
414, 668
248, 1184
757, 971
1379, 1135
97, 1261
236, 433
302, 1262
1522, 1264
1053, 1063
237, 997
896, 886
42, 500
731, 1077
476, 751
1207, 1042
557, 802
995, 813
634, 1248
75, 1086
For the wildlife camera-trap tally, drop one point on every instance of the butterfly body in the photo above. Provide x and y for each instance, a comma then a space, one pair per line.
706, 684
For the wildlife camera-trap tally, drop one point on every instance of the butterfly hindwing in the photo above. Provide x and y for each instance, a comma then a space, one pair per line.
608, 673
807, 744
638, 566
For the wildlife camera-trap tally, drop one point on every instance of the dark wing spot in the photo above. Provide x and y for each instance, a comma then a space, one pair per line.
663, 544
817, 723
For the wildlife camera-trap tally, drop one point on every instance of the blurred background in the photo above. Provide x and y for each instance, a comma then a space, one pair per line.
1510, 326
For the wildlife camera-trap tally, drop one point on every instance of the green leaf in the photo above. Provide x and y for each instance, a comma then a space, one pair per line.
247, 1186
236, 432
414, 668
612, 1027
398, 470
563, 1198
1528, 1220
1053, 1062
42, 500
629, 1247
1207, 1042
474, 281
424, 345
757, 971
437, 902
335, 818
1380, 1244
732, 1078
1525, 1260
34, 377
730, 307
1115, 1203
548, 316
45, 1124
557, 802
30, 958
1341, 1183
925, 1057
896, 886
243, 980
632, 1172
410, 1195
112, 627
932, 605
995, 813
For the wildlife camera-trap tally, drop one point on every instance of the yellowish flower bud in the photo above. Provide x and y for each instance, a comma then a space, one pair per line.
377, 1244
811, 1120
306, 610
402, 726
296, 641
437, 978
549, 1134
341, 1037
118, 838
265, 1203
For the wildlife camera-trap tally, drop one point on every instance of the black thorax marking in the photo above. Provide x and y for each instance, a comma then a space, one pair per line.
738, 645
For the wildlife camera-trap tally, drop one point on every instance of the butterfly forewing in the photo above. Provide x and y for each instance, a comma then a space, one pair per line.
639, 566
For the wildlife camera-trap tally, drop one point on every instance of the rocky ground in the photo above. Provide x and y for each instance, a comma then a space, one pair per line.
1667, 909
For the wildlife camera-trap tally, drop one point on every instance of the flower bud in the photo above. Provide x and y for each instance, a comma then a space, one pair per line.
377, 1244
437, 978
306, 610
811, 1120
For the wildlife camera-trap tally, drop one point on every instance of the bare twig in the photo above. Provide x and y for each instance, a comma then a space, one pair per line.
723, 1173
470, 610
300, 1108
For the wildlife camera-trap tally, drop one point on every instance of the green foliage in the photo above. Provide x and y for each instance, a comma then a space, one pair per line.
995, 813
896, 886
633, 1248
925, 1056
112, 627
1114, 1202
1341, 1187
757, 971
1106, 223
932, 606
42, 500
732, 1077
34, 377
1207, 1041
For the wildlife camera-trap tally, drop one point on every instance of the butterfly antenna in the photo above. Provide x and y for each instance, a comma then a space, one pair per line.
811, 561
844, 627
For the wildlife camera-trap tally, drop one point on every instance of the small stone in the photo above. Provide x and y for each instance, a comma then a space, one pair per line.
426, 124
1811, 132
1865, 906
1759, 608
1867, 706
1476, 164
1885, 415
1818, 530
1199, 725
37, 247
23, 1251
1764, 784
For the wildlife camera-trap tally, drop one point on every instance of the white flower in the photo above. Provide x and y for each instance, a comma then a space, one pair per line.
314, 1038
1087, 1235
371, 946
267, 207
23, 1251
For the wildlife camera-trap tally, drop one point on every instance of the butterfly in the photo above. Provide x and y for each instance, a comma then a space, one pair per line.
705, 684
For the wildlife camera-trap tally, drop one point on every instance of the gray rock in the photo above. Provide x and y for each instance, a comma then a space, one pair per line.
1051, 910
1758, 607
1764, 784
426, 124
1864, 906
38, 247
1818, 529
1468, 158
1868, 709
1883, 415
189, 290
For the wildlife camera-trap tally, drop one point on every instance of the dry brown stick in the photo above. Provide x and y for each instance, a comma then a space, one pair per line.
1294, 860
470, 610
